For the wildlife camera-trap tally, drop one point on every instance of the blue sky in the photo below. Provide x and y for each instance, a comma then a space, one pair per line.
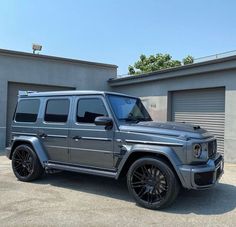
118, 31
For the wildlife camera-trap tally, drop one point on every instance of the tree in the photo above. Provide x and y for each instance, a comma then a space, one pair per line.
156, 62
188, 60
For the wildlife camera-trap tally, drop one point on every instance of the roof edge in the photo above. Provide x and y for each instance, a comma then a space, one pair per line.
136, 78
55, 58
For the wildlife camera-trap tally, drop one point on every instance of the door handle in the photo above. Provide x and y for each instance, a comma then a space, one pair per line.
76, 138
43, 135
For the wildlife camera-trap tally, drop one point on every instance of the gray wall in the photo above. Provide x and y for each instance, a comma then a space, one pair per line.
156, 94
33, 69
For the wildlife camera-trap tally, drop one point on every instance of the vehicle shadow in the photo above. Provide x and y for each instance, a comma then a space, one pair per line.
218, 200
88, 183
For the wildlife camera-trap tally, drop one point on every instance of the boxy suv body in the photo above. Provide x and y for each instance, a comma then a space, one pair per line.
111, 135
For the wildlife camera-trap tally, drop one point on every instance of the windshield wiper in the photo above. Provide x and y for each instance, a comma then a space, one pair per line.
144, 119
128, 119
135, 119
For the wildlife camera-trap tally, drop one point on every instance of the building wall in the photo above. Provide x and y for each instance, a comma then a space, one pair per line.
157, 95
26, 68
30, 69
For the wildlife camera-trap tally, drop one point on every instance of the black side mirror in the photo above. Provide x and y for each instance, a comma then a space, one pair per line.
105, 121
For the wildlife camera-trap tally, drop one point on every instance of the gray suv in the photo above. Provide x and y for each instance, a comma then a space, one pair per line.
111, 135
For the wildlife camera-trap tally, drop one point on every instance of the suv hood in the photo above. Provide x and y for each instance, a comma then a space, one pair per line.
181, 130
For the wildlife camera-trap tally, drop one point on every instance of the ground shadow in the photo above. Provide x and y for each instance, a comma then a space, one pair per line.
88, 183
218, 200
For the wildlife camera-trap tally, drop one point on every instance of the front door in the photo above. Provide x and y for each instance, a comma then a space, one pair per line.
53, 131
90, 145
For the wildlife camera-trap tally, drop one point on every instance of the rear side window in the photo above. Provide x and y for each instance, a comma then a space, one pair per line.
27, 110
57, 110
90, 108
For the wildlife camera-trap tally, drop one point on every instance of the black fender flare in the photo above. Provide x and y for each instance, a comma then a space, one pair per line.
165, 151
35, 143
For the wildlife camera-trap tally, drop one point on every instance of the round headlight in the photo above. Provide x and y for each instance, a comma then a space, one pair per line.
197, 150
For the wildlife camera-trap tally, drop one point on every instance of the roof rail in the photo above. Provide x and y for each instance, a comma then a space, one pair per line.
25, 93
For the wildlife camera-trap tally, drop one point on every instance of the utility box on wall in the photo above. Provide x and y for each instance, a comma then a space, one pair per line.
156, 107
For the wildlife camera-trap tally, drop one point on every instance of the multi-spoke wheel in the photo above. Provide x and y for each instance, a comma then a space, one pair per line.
25, 163
152, 183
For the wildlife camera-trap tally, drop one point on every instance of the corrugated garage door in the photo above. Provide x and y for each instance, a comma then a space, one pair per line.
205, 107
13, 89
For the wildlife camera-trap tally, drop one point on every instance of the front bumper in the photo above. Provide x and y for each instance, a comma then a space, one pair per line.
202, 176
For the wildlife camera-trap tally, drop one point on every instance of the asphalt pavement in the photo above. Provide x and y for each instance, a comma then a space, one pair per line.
70, 199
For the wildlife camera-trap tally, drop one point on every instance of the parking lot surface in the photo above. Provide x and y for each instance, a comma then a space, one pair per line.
69, 199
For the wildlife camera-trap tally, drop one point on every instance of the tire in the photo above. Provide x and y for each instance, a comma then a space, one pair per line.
25, 164
152, 183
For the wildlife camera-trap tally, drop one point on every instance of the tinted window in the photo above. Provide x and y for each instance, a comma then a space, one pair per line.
27, 110
57, 110
90, 108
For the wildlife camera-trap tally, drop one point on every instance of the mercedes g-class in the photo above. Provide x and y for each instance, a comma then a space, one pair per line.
112, 135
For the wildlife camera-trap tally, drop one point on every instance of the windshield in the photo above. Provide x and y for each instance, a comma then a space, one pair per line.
128, 108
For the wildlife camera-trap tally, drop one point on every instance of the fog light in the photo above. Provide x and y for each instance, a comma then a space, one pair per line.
197, 150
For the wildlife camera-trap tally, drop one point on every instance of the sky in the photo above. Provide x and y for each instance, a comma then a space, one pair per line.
119, 31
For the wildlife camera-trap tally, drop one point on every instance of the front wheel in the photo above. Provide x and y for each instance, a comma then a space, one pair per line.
25, 163
152, 183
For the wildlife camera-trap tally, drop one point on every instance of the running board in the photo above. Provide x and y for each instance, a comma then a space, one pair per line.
81, 170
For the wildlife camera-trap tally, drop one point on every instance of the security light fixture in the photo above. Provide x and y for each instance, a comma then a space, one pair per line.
36, 47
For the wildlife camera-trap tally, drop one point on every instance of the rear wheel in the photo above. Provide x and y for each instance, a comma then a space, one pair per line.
25, 163
152, 183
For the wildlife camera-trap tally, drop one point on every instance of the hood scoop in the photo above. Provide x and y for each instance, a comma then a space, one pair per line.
172, 126
196, 127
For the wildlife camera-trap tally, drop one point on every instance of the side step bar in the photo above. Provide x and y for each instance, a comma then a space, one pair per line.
81, 170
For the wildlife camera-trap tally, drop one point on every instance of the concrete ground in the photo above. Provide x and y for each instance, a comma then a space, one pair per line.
68, 199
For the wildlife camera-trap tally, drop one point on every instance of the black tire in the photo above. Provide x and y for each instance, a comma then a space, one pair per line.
152, 183
25, 163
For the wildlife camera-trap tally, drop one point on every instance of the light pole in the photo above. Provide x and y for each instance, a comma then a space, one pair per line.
36, 47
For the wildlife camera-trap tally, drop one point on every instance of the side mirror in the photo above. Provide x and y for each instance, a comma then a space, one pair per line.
105, 121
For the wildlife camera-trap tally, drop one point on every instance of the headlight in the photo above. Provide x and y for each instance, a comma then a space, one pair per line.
197, 150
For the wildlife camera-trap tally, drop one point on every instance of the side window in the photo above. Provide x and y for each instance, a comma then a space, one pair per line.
27, 110
57, 110
90, 108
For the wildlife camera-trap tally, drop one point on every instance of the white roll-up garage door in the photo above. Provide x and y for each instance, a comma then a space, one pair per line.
205, 107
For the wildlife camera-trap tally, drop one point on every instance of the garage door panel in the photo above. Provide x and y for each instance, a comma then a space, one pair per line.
205, 107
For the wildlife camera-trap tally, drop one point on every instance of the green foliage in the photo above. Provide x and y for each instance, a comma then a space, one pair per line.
156, 62
188, 60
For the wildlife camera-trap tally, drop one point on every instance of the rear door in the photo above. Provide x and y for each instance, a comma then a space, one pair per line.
53, 130
90, 145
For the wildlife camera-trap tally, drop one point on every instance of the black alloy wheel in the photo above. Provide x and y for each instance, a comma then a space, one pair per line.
149, 183
152, 183
25, 163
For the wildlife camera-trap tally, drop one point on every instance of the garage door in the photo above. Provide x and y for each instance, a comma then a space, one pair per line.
205, 107
13, 89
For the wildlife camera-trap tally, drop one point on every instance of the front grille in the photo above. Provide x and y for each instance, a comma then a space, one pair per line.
218, 173
218, 160
212, 147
